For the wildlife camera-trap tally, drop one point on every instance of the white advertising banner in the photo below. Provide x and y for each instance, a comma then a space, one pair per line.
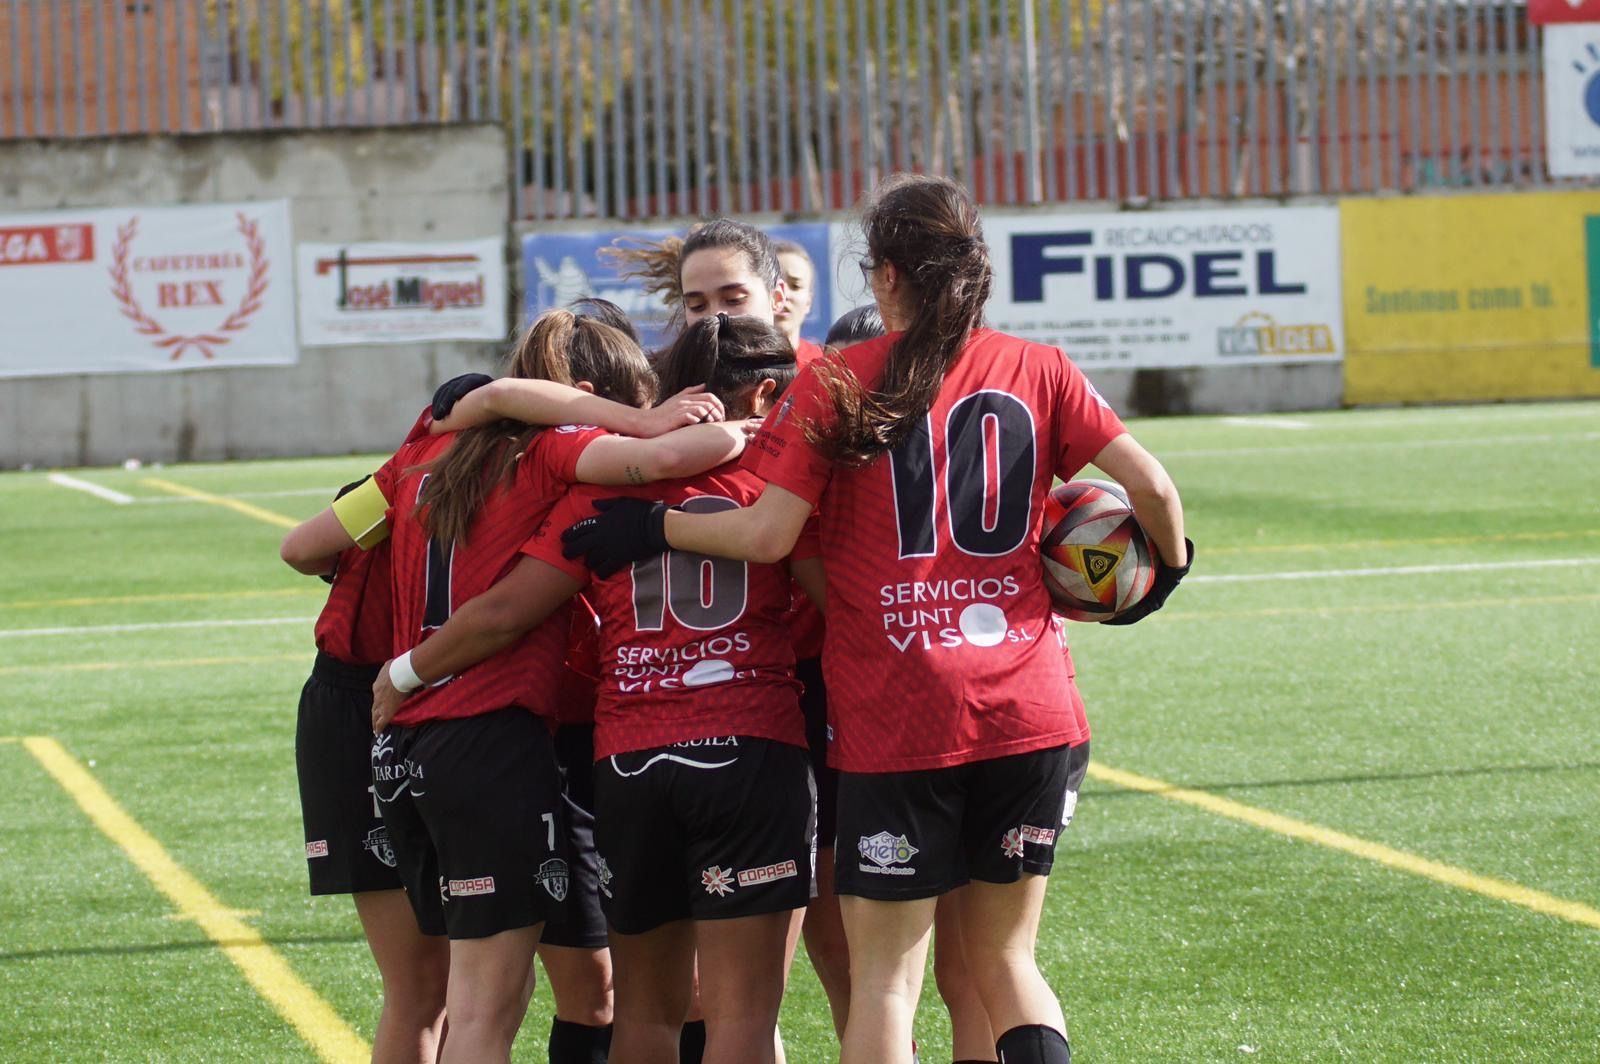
400, 293
143, 289
1178, 288
1572, 99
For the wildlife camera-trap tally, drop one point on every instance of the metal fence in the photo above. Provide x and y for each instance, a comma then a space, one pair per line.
659, 108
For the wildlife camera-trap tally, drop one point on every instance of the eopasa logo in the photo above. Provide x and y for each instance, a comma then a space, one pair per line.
886, 851
717, 880
1258, 334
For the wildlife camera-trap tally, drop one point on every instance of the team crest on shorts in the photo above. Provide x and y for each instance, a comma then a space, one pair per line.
717, 880
553, 877
377, 844
886, 852
605, 876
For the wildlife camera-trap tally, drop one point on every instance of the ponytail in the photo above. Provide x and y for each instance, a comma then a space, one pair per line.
928, 228
562, 347
730, 356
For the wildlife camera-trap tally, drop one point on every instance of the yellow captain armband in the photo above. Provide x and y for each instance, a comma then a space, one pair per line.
361, 511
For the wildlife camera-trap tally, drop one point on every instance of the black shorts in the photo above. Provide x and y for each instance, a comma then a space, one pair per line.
814, 704
921, 834
583, 924
475, 814
709, 830
347, 846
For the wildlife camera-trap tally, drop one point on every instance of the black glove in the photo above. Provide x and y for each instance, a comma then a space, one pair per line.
450, 392
1167, 578
625, 530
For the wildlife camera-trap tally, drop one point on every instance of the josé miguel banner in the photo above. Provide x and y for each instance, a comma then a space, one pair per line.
1544, 12
146, 289
399, 293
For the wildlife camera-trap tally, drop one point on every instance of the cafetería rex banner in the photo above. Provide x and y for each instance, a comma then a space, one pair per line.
1472, 297
146, 289
401, 293
1171, 288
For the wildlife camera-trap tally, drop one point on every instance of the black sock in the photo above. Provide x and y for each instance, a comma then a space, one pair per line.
1033, 1044
692, 1042
578, 1043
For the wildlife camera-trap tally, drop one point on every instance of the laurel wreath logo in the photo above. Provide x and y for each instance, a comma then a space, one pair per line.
178, 343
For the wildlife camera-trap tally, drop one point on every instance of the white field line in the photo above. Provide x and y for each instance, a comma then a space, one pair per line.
1397, 445
62, 480
1383, 445
154, 626
326, 493
1267, 423
1396, 570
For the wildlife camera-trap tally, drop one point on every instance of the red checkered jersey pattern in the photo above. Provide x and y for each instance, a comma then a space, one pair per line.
577, 691
690, 647
939, 647
430, 580
356, 625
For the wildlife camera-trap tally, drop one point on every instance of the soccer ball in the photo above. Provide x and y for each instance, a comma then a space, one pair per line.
1097, 560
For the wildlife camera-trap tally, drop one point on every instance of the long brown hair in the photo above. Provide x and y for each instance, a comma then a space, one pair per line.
560, 346
928, 228
658, 264
730, 356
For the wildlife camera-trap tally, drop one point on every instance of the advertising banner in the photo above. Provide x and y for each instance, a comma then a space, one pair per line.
1572, 99
1171, 288
561, 267
143, 289
1543, 12
1472, 297
400, 293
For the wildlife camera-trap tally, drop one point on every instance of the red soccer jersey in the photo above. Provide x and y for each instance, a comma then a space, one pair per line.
357, 623
939, 648
431, 579
807, 352
576, 691
691, 647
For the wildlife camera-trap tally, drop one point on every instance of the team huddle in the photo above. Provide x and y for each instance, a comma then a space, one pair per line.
650, 666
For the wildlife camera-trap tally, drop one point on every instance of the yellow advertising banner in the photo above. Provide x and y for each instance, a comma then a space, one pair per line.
1456, 298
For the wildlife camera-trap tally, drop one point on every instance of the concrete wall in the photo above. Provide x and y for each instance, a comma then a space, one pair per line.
426, 183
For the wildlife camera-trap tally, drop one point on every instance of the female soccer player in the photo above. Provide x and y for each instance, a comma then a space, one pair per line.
799, 275
703, 790
928, 453
347, 847
466, 778
722, 267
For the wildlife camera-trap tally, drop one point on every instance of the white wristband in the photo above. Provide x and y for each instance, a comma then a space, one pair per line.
402, 675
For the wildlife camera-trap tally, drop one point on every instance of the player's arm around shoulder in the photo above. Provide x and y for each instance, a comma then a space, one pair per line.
685, 452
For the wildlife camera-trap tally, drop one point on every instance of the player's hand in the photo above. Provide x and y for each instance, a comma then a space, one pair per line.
691, 406
450, 392
751, 427
623, 531
386, 700
1167, 579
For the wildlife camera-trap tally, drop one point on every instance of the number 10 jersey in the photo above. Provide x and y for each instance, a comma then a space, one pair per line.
939, 648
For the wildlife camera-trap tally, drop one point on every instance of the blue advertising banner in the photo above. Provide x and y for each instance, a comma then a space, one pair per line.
560, 267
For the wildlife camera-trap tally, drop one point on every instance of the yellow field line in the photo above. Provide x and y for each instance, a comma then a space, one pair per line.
217, 500
1385, 607
313, 1018
175, 596
1498, 889
1430, 541
156, 663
